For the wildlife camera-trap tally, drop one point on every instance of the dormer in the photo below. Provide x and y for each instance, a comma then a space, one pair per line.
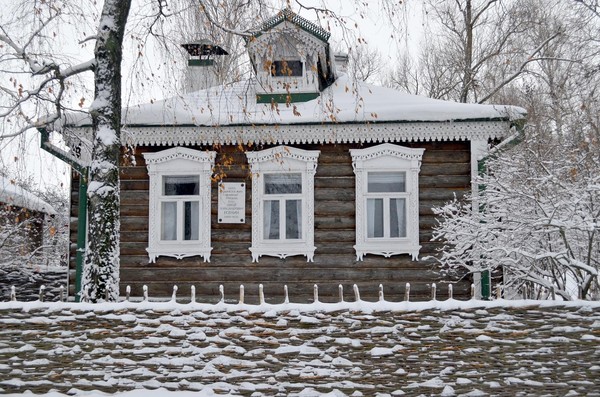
291, 58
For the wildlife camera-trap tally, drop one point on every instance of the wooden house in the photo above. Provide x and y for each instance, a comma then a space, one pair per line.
297, 176
22, 219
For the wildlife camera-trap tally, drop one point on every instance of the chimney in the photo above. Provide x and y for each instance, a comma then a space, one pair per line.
341, 62
201, 64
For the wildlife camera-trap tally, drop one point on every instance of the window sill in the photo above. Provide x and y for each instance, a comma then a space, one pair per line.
283, 250
179, 253
387, 250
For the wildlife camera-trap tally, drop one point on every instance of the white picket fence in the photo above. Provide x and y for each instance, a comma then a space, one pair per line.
261, 295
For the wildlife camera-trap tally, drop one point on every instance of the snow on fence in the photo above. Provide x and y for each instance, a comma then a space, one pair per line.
261, 297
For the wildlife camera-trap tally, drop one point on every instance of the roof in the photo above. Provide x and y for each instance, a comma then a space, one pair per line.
345, 101
288, 15
14, 195
345, 112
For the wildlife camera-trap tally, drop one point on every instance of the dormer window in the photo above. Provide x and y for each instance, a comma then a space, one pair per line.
287, 68
291, 58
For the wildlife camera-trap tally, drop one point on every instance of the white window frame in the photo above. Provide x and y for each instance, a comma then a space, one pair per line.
387, 158
278, 160
179, 161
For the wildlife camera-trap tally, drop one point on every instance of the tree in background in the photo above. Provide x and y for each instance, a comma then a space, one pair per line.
472, 49
30, 238
537, 218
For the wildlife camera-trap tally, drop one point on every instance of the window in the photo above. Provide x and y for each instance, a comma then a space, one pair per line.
286, 68
283, 202
179, 213
387, 200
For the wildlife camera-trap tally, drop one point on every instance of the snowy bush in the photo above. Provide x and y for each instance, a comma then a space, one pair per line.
536, 218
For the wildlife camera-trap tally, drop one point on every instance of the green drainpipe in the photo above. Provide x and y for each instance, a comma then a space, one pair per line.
46, 145
507, 144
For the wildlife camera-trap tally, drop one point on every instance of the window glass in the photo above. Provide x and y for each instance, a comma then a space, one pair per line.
397, 217
168, 227
271, 220
289, 183
191, 220
374, 218
293, 219
185, 185
386, 182
286, 68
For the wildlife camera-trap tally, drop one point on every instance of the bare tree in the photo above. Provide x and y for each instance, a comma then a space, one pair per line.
542, 202
473, 49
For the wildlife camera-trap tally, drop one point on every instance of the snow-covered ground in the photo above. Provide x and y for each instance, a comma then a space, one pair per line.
347, 349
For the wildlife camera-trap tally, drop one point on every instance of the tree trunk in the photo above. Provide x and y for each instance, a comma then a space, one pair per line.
101, 269
467, 82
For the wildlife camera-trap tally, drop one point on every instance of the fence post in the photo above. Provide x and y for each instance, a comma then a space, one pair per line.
381, 297
222, 294
472, 291
174, 296
341, 292
127, 292
433, 291
286, 297
261, 294
315, 293
579, 291
450, 291
553, 293
193, 292
62, 293
13, 293
42, 290
145, 291
407, 293
241, 294
356, 293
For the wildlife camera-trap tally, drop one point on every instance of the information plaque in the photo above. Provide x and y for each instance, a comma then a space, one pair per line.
232, 202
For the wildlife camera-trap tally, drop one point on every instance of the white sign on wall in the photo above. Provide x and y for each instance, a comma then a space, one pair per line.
232, 202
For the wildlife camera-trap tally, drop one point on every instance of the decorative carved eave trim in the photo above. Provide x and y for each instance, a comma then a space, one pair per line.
387, 149
283, 152
177, 153
314, 133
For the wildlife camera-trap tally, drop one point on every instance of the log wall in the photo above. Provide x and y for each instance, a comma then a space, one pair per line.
445, 171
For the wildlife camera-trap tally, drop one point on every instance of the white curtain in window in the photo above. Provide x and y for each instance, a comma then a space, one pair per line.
374, 218
271, 220
397, 217
168, 221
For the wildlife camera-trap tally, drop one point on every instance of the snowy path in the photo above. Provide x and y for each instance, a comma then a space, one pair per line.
514, 351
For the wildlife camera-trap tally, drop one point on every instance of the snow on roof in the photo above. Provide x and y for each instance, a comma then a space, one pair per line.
14, 195
345, 101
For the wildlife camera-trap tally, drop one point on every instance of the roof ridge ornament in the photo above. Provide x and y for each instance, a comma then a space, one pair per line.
288, 15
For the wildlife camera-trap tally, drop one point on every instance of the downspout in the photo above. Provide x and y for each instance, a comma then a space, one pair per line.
59, 153
507, 144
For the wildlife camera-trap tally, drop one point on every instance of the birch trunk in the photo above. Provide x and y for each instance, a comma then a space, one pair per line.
101, 268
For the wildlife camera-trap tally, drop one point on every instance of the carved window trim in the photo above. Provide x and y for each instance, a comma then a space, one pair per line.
283, 160
179, 161
387, 158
